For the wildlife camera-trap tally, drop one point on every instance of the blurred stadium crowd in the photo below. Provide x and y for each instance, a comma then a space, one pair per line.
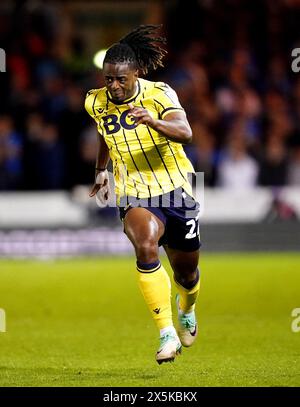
229, 61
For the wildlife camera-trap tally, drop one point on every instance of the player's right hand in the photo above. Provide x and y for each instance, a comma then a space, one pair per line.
101, 188
140, 115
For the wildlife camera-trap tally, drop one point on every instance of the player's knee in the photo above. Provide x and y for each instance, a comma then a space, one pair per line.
186, 268
147, 251
186, 276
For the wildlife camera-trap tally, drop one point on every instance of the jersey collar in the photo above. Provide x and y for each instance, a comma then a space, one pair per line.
126, 101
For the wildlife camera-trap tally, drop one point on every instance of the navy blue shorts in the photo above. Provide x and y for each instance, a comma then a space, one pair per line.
178, 211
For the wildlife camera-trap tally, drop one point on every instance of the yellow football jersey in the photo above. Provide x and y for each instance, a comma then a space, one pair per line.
145, 163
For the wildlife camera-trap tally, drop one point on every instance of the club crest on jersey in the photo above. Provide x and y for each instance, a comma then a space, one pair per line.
113, 123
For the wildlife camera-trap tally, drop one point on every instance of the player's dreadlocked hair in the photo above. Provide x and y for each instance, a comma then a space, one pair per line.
140, 47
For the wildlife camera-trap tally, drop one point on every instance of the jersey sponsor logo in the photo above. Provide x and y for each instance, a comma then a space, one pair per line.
113, 124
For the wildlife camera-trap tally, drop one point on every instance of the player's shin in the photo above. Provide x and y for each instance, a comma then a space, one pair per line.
188, 294
155, 285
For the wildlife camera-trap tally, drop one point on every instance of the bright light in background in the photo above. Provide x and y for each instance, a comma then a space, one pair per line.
99, 58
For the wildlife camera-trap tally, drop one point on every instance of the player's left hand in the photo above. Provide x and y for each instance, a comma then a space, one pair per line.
140, 115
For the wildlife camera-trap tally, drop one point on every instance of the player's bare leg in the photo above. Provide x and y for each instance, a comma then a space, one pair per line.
144, 230
187, 279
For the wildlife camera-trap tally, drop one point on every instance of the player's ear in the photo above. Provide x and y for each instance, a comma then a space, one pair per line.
136, 73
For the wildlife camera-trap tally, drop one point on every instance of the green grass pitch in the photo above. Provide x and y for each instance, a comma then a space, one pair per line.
83, 322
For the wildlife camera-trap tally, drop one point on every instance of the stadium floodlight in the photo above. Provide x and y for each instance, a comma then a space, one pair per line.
99, 58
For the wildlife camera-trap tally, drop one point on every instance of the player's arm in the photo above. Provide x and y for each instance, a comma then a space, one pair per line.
174, 126
102, 160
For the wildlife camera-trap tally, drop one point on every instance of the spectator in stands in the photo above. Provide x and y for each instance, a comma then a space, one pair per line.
278, 75
10, 155
237, 169
72, 123
294, 167
277, 114
86, 164
46, 157
274, 164
205, 155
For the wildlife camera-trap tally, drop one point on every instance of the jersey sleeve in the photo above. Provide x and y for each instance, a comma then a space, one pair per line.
166, 99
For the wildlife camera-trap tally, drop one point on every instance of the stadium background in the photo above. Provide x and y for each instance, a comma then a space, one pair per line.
230, 63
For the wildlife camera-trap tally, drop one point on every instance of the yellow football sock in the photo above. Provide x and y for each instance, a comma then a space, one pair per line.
156, 288
188, 297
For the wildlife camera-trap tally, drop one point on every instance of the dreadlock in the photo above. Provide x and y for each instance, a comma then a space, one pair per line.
140, 47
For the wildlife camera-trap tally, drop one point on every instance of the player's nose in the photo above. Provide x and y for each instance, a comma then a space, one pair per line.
115, 85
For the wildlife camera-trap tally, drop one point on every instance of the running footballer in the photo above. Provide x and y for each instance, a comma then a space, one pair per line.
142, 128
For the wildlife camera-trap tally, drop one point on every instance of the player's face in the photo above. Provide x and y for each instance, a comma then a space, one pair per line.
120, 80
